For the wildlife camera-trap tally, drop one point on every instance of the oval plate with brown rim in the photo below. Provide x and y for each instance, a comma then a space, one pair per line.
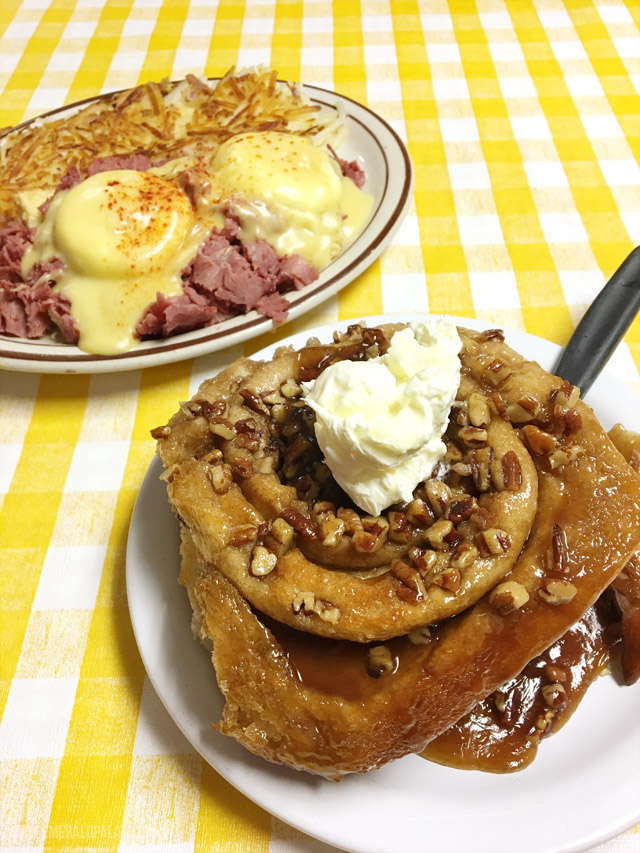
385, 160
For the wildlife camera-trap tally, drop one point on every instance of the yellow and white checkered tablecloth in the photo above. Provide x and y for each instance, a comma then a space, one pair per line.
523, 122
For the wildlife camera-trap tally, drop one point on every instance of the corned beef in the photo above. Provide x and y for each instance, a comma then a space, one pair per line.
182, 313
29, 308
15, 239
137, 162
274, 306
351, 169
225, 278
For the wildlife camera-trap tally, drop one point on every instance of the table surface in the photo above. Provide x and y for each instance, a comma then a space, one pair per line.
522, 122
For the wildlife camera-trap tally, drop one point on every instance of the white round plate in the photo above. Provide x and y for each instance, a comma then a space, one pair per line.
582, 788
385, 160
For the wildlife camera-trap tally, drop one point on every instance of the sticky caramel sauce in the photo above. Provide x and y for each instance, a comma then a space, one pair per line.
502, 733
338, 668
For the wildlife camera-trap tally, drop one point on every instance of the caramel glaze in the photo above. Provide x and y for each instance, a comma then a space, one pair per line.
502, 733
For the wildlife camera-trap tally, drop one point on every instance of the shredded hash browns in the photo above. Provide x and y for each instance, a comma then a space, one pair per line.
162, 120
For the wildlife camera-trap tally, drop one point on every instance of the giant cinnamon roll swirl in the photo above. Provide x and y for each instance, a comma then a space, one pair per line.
430, 606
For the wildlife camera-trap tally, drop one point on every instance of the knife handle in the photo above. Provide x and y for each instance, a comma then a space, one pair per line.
603, 326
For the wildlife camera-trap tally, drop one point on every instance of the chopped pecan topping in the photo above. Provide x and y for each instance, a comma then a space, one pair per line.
438, 494
380, 661
282, 534
462, 469
297, 448
508, 596
307, 528
242, 466
222, 427
420, 636
243, 533
566, 395
290, 388
573, 421
479, 412
483, 518
221, 478
464, 555
493, 541
559, 549
323, 509
253, 402
279, 413
273, 397
303, 602
497, 371
438, 534
460, 509
492, 335
331, 531
555, 673
419, 514
263, 562
526, 409
423, 561
212, 457
544, 721
351, 519
449, 579
409, 586
480, 460
327, 612
498, 403
161, 432
307, 603
555, 696
366, 542
473, 436
453, 453
540, 442
376, 337
561, 457
399, 530
557, 591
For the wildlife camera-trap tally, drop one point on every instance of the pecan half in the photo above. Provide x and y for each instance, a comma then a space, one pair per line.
300, 523
253, 402
540, 442
559, 549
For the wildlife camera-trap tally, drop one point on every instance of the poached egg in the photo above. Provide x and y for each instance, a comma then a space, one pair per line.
124, 236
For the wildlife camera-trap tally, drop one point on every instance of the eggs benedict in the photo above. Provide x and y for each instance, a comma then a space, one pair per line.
289, 192
124, 236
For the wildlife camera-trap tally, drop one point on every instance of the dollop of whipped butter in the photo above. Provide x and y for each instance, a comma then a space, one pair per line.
380, 422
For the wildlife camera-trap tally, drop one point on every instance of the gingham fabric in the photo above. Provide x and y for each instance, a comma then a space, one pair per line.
523, 123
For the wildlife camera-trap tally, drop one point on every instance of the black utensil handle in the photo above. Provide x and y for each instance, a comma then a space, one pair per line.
603, 326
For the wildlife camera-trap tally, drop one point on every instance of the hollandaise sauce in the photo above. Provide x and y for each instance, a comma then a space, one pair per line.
290, 193
124, 236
